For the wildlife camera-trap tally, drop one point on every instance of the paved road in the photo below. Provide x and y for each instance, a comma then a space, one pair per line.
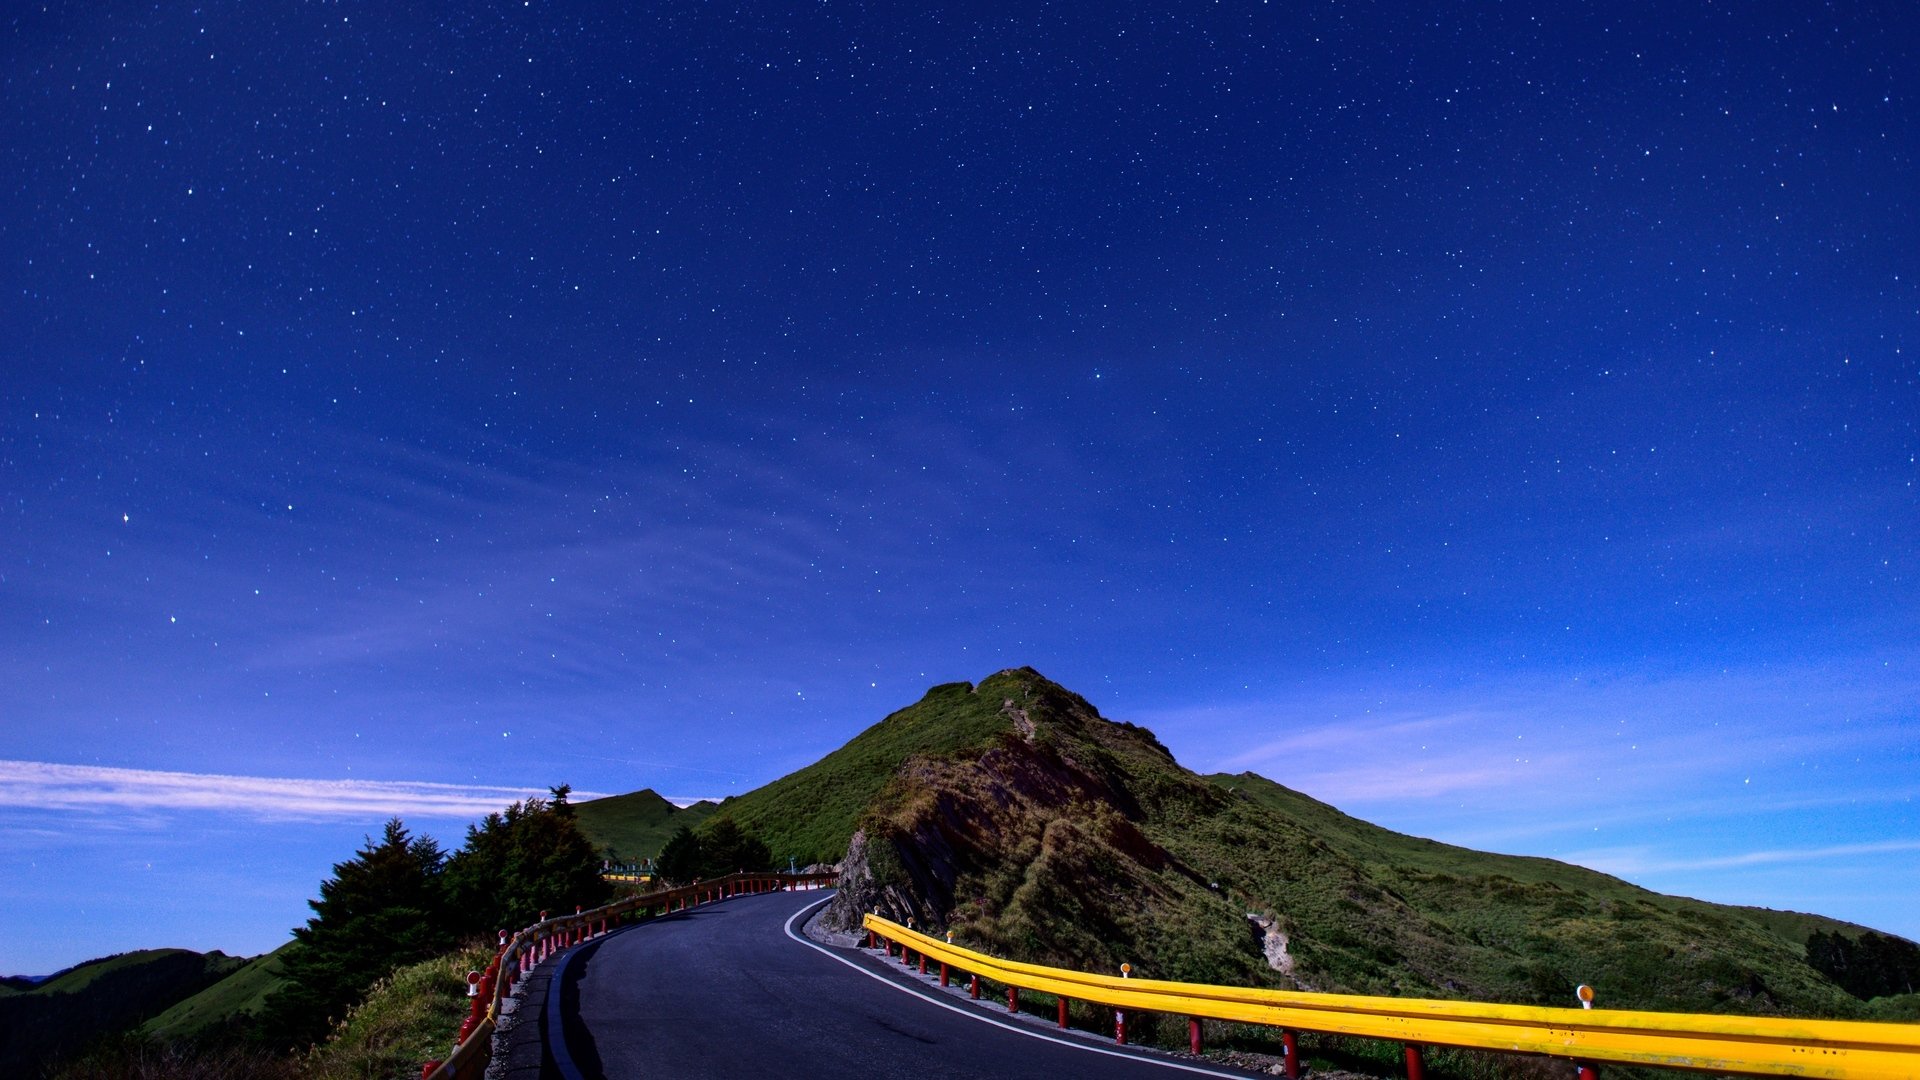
726, 991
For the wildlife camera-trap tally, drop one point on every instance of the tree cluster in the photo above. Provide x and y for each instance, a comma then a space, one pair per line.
1874, 965
401, 900
722, 848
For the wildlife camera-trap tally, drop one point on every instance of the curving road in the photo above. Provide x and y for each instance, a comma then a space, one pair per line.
732, 989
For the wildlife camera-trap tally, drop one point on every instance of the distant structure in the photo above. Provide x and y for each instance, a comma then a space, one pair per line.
627, 873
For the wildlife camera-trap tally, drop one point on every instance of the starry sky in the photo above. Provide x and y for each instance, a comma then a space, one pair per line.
1496, 420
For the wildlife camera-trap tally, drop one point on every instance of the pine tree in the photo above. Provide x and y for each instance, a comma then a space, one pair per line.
681, 860
530, 859
728, 849
381, 909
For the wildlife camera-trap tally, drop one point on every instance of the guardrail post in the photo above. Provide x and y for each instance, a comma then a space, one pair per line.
1063, 1013
1013, 999
943, 973
474, 1010
1291, 1044
1193, 1035
1120, 1026
1586, 1071
923, 963
1416, 1064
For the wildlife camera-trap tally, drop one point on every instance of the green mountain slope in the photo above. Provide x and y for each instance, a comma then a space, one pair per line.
1385, 848
1014, 814
224, 1002
808, 815
97, 998
636, 825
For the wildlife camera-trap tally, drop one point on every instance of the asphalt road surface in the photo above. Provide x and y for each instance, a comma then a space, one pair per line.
733, 990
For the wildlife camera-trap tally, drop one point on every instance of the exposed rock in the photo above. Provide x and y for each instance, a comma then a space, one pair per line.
1022, 723
1273, 943
859, 894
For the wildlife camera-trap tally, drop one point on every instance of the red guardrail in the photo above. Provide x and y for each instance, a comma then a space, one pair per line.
523, 951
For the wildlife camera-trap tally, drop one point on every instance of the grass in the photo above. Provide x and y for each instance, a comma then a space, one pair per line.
131, 1056
636, 825
1066, 838
242, 992
80, 977
404, 1020
67, 1013
407, 1018
810, 814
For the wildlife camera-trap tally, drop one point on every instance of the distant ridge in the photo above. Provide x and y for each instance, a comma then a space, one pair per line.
1013, 813
636, 825
67, 1011
242, 992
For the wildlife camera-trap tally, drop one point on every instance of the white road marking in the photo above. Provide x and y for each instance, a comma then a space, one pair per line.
971, 1014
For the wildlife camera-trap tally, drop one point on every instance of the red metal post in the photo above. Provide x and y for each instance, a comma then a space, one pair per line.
1063, 1012
923, 963
1588, 1072
1120, 1026
1193, 1035
1416, 1065
943, 973
973, 987
1013, 999
870, 939
1292, 1044
475, 994
429, 1069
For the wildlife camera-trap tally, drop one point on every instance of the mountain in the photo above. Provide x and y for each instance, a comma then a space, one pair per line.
636, 825
810, 814
1014, 814
100, 997
242, 992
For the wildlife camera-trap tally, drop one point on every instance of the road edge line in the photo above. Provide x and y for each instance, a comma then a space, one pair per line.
973, 1015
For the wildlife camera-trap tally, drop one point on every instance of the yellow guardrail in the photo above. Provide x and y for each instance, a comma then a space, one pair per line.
1759, 1045
525, 950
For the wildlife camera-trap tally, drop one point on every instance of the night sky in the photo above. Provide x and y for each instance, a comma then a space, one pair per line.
1500, 422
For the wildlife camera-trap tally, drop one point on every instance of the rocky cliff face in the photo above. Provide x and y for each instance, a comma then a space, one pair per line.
1062, 837
1034, 847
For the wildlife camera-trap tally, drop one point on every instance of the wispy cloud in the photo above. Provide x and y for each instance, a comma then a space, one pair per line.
1514, 739
48, 786
1630, 861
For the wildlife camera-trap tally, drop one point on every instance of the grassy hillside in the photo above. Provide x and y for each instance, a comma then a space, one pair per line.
636, 825
407, 1018
97, 998
222, 1003
808, 815
1040, 830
